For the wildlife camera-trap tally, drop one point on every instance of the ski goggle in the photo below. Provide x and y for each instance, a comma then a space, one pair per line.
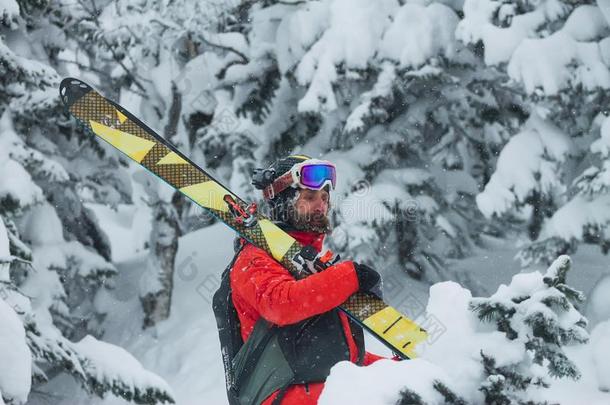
313, 174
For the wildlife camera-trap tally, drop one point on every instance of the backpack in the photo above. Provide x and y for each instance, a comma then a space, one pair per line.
275, 357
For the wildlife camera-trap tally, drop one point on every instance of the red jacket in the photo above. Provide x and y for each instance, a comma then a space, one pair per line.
262, 287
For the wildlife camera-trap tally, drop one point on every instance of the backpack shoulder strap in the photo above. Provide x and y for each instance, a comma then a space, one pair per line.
227, 321
358, 335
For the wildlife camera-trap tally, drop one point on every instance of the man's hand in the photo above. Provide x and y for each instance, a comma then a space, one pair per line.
369, 280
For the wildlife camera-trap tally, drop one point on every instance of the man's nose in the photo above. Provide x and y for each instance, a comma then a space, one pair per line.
320, 205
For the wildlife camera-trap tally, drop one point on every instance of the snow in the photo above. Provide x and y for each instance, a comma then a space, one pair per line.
419, 33
87, 262
531, 160
586, 23
354, 34
108, 363
540, 63
573, 218
604, 6
201, 69
604, 49
43, 217
42, 227
129, 224
298, 31
500, 43
368, 205
350, 384
9, 8
448, 303
524, 284
232, 40
15, 380
548, 64
602, 145
382, 88
600, 344
355, 28
184, 350
33, 70
454, 355
4, 244
19, 185
407, 176
598, 303
9, 12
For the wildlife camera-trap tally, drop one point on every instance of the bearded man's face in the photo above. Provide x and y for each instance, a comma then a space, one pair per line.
310, 210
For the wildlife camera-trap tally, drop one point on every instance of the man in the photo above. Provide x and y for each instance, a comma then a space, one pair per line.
291, 330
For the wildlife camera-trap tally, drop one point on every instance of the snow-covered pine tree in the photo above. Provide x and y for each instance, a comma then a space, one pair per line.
36, 349
59, 257
556, 55
412, 118
51, 164
538, 315
150, 58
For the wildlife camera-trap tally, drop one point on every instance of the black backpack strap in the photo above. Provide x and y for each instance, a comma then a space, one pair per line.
227, 321
358, 335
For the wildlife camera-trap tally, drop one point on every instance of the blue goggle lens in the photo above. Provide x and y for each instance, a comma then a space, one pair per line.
316, 175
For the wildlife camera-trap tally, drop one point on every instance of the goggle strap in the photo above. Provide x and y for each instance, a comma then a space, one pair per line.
280, 184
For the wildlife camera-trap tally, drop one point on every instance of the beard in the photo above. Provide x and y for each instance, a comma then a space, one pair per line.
318, 223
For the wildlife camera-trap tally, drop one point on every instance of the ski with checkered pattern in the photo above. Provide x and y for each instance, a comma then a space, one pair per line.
117, 126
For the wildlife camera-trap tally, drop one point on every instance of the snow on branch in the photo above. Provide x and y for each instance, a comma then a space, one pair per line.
500, 42
418, 34
512, 347
9, 13
24, 70
109, 368
356, 35
15, 381
557, 62
530, 161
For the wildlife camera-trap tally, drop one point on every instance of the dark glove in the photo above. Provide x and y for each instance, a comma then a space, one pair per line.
368, 279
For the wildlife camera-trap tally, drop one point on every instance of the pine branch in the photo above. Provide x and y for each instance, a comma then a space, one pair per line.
490, 311
544, 327
408, 397
259, 101
93, 14
243, 58
450, 396
557, 302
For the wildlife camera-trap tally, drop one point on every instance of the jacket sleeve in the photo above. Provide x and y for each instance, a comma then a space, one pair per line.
268, 287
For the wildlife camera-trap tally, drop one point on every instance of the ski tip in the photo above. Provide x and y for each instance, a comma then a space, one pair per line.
71, 89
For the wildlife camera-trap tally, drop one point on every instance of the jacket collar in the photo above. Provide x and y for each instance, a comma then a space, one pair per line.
309, 238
